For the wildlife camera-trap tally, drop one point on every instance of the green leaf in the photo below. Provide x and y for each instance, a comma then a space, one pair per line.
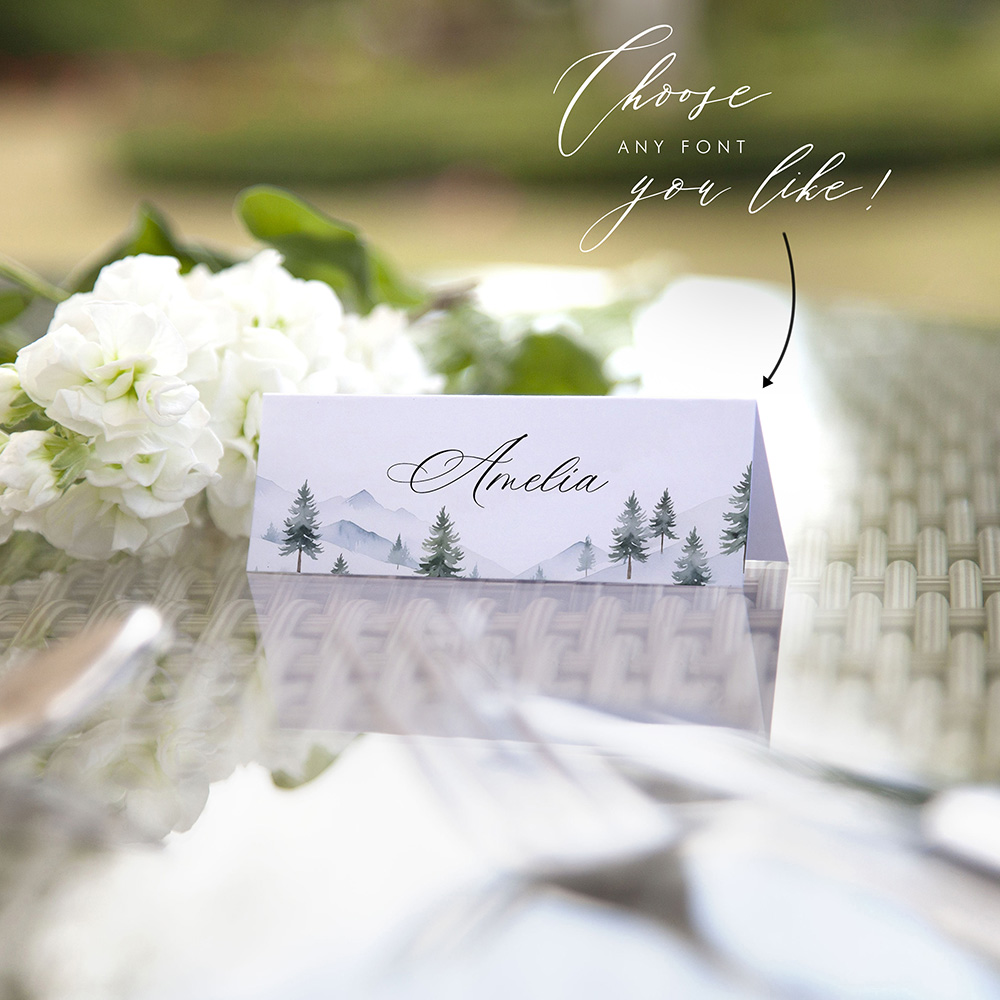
553, 364
29, 281
151, 233
25, 556
391, 287
469, 348
466, 347
69, 459
318, 760
12, 304
317, 246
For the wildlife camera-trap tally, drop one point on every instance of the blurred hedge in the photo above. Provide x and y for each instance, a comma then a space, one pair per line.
885, 99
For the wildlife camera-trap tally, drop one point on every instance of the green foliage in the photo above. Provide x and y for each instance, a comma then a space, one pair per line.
302, 527
399, 554
444, 557
69, 458
153, 32
850, 78
26, 555
734, 537
13, 302
24, 413
340, 567
316, 246
553, 364
587, 558
470, 350
630, 535
313, 245
663, 521
468, 347
317, 761
151, 233
29, 284
692, 565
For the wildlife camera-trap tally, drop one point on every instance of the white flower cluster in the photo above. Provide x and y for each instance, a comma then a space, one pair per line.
148, 392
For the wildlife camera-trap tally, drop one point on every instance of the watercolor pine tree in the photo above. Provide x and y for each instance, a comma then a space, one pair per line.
302, 527
539, 575
692, 566
630, 536
474, 575
399, 554
734, 537
340, 567
664, 520
587, 557
272, 534
441, 545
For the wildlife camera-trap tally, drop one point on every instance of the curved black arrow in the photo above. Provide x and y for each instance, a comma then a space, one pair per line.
768, 379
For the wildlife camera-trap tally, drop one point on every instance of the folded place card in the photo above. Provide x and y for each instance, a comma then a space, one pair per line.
579, 489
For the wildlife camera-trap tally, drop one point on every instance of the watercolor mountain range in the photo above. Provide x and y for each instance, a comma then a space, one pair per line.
363, 531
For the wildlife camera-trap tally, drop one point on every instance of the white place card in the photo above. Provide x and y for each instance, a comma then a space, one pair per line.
581, 489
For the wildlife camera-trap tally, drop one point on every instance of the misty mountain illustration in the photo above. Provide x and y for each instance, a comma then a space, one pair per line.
364, 532
365, 511
357, 525
354, 538
363, 500
564, 565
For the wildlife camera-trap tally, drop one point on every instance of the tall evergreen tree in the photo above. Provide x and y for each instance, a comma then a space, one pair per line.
692, 566
734, 537
399, 554
630, 535
587, 558
443, 554
340, 567
663, 521
302, 527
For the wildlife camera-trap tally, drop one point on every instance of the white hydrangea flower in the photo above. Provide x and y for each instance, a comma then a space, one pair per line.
385, 355
92, 523
199, 314
115, 372
154, 477
163, 374
295, 339
111, 371
6, 520
290, 337
27, 479
10, 394
132, 495
265, 296
236, 409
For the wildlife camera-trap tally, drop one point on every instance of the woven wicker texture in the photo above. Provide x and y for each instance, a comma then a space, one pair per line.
892, 637
382, 654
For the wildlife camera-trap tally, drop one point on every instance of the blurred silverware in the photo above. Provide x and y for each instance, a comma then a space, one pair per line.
49, 691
